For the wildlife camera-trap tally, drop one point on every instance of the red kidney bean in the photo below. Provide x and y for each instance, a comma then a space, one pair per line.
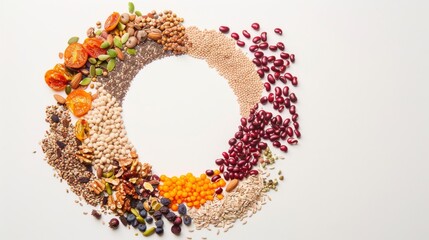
271, 97
278, 62
279, 119
286, 122
219, 161
264, 61
283, 148
292, 58
256, 39
293, 98
243, 121
215, 178
209, 172
288, 76
278, 31
284, 55
229, 168
255, 26
275, 105
224, 29
238, 135
282, 78
232, 161
263, 45
258, 54
246, 34
296, 125
264, 36
232, 141
295, 81
271, 58
281, 108
262, 145
235, 36
253, 48
295, 117
297, 133
267, 86
292, 109
263, 100
274, 69
280, 100
287, 102
253, 172
226, 176
265, 68
241, 43
287, 63
271, 79
241, 163
283, 135
219, 190
289, 131
221, 168
276, 144
254, 161
285, 91
282, 68
274, 137
292, 141
278, 91
273, 48
257, 62
280, 46
277, 75
268, 115
225, 155
261, 73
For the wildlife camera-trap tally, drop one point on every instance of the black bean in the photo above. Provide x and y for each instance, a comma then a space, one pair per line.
55, 118
61, 144
83, 179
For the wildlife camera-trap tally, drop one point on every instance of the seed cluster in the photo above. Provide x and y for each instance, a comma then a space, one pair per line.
231, 63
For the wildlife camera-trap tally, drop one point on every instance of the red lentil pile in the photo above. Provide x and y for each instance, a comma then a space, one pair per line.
89, 148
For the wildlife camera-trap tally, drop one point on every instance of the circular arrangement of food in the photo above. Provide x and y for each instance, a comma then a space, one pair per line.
87, 144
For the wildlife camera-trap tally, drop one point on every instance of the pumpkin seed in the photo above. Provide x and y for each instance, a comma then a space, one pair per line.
92, 71
105, 44
68, 89
85, 81
124, 38
111, 64
149, 232
92, 60
103, 57
121, 26
108, 174
131, 51
99, 71
117, 41
112, 53
98, 32
73, 40
131, 7
138, 13
108, 189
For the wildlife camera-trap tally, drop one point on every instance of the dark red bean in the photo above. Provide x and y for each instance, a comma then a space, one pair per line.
295, 81
219, 161
219, 190
292, 109
263, 45
277, 75
271, 97
246, 34
285, 91
265, 68
275, 105
274, 69
296, 125
241, 163
276, 144
283, 148
264, 61
232, 161
293, 98
253, 48
280, 100
271, 79
235, 36
282, 68
292, 58
263, 100
278, 62
261, 73
267, 86
284, 55
278, 91
256, 39
209, 172
255, 26
256, 62
278, 31
224, 29
280, 46
283, 135
241, 43
226, 175
279, 119
295, 117
264, 36
274, 137
288, 76
281, 108
225, 155
271, 58
286, 122
253, 172
232, 141
297, 133
273, 48
289, 131
262, 145
243, 121
292, 141
258, 54
215, 178
282, 78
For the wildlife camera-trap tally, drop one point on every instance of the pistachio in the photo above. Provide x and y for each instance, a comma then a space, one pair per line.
111, 65
105, 44
68, 89
117, 41
112, 53
73, 40
103, 57
119, 54
131, 7
108, 188
124, 38
92, 60
138, 13
91, 71
149, 232
86, 81
98, 71
132, 42
125, 18
76, 80
131, 51
108, 174
59, 99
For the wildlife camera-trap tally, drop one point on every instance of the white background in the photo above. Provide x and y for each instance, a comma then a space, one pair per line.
360, 171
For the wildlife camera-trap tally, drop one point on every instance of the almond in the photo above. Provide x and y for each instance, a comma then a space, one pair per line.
231, 185
76, 80
154, 34
59, 99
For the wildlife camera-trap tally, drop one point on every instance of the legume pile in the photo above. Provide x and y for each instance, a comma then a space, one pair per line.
90, 150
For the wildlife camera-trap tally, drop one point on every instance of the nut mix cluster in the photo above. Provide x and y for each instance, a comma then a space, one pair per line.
97, 149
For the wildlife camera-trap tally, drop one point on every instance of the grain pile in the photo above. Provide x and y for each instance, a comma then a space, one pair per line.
220, 53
